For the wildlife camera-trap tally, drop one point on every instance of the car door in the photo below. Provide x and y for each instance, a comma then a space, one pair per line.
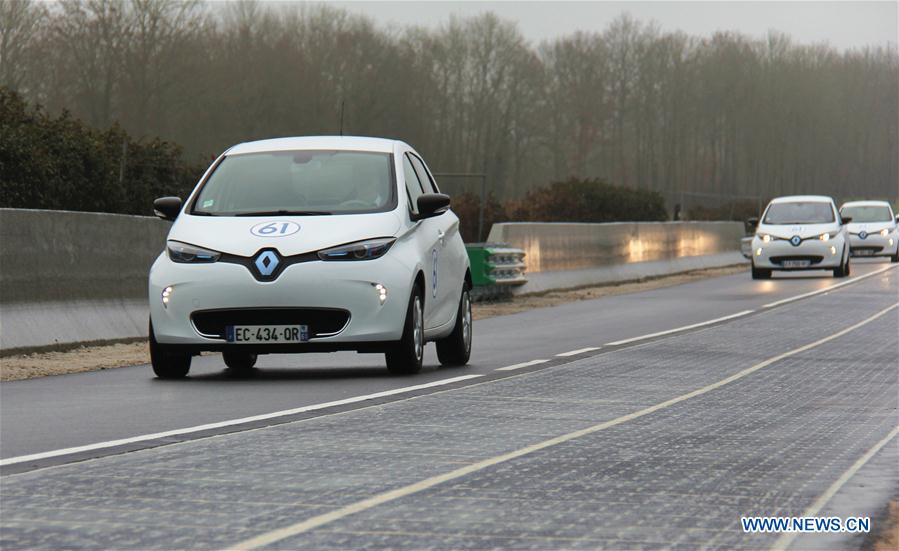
427, 239
450, 272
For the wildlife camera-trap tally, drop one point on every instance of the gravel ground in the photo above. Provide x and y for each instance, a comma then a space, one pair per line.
95, 358
888, 539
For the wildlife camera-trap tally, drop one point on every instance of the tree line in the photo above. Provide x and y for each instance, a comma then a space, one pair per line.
60, 163
725, 116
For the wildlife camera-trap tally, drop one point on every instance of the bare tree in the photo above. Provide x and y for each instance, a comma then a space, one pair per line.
21, 23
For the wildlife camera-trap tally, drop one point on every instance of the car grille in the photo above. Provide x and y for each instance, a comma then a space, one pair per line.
813, 259
322, 322
872, 249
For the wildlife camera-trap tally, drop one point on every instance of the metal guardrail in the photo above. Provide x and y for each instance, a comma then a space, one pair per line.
495, 269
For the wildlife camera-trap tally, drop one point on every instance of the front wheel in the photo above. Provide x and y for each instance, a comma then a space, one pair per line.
842, 270
239, 361
167, 364
455, 349
405, 357
760, 273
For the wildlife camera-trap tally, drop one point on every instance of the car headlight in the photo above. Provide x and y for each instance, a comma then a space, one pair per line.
764, 237
360, 250
884, 232
185, 253
828, 236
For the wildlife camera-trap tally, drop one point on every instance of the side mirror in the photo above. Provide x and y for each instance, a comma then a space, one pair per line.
897, 218
751, 224
432, 204
846, 219
167, 208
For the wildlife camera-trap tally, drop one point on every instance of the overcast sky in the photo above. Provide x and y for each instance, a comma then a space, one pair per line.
845, 24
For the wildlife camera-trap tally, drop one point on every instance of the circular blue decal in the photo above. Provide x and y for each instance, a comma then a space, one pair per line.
863, 235
795, 240
275, 229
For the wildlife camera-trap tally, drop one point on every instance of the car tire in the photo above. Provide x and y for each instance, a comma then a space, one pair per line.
760, 273
895, 258
455, 349
167, 364
405, 357
842, 270
239, 361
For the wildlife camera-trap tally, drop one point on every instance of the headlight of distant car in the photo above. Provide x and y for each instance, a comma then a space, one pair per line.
884, 232
361, 250
764, 237
827, 236
184, 253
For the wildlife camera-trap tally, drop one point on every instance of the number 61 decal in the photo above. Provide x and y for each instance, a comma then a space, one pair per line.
275, 229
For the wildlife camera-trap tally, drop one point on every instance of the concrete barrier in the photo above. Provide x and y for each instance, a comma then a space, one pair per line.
74, 277
567, 255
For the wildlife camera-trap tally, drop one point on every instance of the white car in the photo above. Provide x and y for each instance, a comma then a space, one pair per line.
801, 232
312, 244
873, 230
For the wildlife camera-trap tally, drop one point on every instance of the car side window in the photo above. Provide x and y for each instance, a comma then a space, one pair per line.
427, 180
413, 185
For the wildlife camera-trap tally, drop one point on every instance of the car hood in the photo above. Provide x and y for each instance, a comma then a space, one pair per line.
870, 227
802, 230
234, 235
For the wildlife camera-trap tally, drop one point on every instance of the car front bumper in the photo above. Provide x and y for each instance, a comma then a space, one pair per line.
877, 244
315, 286
823, 255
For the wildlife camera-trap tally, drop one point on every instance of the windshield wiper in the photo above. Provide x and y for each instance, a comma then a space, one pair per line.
284, 213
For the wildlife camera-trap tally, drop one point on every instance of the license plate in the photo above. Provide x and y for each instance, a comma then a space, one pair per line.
797, 263
863, 252
255, 334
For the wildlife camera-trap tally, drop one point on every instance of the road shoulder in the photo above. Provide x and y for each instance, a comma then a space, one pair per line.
100, 357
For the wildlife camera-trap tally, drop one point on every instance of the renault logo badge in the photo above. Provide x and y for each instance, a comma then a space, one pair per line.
795, 240
862, 235
266, 263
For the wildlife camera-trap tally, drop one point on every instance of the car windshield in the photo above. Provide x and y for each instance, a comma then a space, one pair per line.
875, 213
799, 212
300, 183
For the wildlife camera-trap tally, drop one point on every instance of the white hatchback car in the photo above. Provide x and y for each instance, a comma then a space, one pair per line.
801, 232
873, 230
312, 244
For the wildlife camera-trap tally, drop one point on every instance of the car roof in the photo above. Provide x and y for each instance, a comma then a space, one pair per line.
346, 143
865, 204
798, 198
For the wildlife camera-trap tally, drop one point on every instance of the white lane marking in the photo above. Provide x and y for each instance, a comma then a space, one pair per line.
578, 351
521, 365
787, 538
682, 328
269, 538
827, 289
231, 422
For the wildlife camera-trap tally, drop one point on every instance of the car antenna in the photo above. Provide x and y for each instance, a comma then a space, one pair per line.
342, 102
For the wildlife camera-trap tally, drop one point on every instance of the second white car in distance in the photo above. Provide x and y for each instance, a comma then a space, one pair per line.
800, 232
873, 230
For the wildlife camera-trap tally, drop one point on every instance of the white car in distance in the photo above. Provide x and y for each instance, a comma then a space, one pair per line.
312, 244
873, 230
801, 232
